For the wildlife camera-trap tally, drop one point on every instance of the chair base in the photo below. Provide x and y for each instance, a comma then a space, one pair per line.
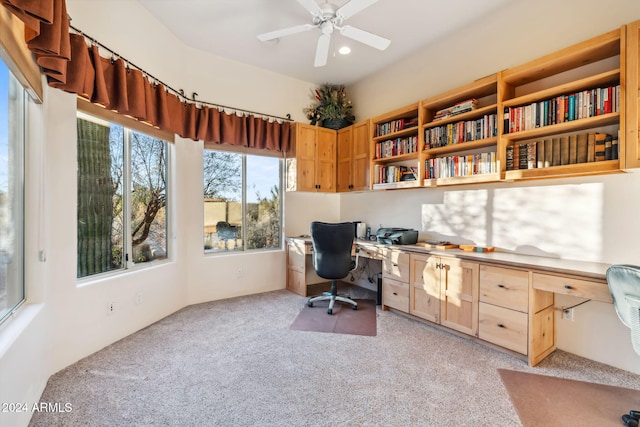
332, 297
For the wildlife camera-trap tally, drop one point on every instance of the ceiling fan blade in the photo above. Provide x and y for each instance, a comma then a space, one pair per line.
365, 37
311, 6
322, 50
284, 32
353, 7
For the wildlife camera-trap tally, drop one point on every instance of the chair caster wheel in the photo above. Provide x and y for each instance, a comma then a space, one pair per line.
354, 307
310, 304
329, 311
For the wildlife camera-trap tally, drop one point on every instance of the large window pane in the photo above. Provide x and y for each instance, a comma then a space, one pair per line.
122, 192
242, 206
148, 190
100, 204
222, 201
11, 192
263, 216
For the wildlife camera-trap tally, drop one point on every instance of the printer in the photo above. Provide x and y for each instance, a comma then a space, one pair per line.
397, 236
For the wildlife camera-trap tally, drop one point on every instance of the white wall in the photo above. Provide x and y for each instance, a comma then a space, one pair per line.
587, 219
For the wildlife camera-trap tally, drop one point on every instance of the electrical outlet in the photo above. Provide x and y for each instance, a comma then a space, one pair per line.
111, 308
138, 299
239, 272
567, 314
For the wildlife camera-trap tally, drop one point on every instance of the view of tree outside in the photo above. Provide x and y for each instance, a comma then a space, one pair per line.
12, 143
106, 233
242, 206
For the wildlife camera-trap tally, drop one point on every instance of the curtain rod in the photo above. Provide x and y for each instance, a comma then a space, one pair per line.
179, 92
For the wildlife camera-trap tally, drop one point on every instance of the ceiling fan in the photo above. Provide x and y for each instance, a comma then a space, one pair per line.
328, 17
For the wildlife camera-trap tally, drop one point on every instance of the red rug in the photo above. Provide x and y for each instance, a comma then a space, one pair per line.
546, 401
344, 319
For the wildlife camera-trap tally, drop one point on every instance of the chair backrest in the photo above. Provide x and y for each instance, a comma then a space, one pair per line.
624, 285
332, 243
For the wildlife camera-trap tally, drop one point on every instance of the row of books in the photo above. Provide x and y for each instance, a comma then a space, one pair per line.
394, 173
564, 150
466, 165
563, 108
395, 125
463, 131
396, 147
459, 108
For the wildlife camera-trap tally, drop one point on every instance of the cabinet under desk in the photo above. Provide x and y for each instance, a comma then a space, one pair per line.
500, 298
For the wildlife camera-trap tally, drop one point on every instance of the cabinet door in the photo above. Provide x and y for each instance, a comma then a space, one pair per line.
344, 179
459, 295
326, 160
306, 157
424, 297
360, 156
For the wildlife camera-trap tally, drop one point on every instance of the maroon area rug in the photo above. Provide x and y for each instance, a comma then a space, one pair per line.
542, 400
344, 319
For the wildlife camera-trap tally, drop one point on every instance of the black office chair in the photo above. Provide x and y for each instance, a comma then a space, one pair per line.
624, 285
332, 245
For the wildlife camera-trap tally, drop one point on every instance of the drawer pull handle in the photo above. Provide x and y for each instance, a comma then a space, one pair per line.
500, 325
568, 287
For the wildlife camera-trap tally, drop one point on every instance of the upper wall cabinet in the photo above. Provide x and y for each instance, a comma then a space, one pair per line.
563, 114
632, 104
313, 168
353, 157
460, 131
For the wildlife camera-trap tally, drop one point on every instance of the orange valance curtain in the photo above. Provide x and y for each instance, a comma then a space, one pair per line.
74, 66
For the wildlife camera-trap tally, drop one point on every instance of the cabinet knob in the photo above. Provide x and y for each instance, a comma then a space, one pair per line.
395, 293
568, 287
500, 325
501, 285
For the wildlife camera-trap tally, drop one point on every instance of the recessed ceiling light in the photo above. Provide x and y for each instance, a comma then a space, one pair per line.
344, 50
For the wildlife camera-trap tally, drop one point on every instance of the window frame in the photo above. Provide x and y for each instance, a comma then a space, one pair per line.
20, 181
98, 112
244, 152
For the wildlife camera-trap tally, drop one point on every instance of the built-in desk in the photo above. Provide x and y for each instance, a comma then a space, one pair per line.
501, 298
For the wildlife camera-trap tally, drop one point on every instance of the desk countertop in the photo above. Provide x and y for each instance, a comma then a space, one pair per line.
586, 269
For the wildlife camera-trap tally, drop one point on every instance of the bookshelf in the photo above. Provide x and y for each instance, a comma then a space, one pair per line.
588, 89
395, 149
460, 135
548, 102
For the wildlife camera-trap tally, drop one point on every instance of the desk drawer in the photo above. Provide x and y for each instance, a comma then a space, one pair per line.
504, 287
571, 286
503, 327
395, 294
396, 265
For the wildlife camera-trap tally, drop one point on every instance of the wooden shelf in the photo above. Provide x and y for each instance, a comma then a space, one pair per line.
396, 185
459, 147
571, 126
577, 169
607, 78
397, 134
399, 158
462, 180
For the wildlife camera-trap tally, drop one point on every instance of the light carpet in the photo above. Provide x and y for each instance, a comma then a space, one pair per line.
235, 362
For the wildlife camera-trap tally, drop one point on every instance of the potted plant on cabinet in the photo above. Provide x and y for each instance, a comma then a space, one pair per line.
331, 108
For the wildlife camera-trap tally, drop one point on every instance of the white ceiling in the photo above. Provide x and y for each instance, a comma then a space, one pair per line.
229, 29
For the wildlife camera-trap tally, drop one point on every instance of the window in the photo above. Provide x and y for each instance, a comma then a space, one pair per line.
242, 203
12, 101
122, 195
